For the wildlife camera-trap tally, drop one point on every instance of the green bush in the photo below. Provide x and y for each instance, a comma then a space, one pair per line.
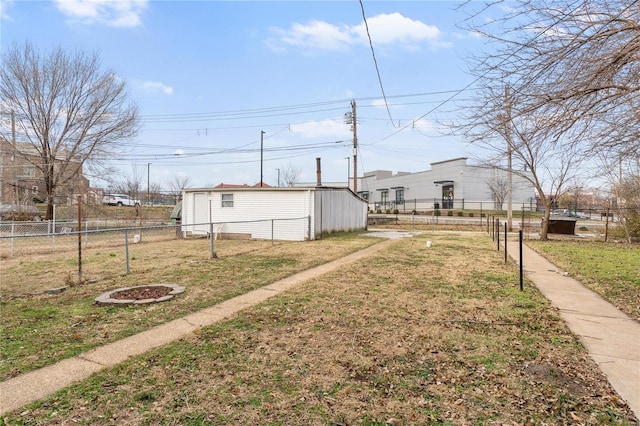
436, 212
395, 211
449, 213
460, 214
378, 211
387, 211
471, 214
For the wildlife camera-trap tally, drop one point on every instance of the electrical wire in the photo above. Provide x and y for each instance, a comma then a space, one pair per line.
375, 61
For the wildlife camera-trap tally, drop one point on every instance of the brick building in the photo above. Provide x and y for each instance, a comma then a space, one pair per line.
21, 182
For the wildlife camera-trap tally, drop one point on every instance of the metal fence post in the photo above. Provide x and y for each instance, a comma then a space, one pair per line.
505, 242
309, 226
126, 248
521, 267
271, 231
212, 251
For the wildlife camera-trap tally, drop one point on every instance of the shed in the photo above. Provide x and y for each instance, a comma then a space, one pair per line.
292, 213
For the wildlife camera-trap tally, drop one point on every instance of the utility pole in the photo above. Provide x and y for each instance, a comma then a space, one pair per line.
278, 177
261, 145
507, 132
148, 196
350, 118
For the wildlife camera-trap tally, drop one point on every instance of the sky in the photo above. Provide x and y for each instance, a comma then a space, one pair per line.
221, 84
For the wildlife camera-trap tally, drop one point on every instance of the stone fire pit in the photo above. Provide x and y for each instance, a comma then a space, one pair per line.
140, 295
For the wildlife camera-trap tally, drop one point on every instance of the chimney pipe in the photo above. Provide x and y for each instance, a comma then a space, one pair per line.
318, 172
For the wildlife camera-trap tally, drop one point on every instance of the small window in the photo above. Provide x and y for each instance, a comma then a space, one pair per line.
399, 196
29, 171
227, 200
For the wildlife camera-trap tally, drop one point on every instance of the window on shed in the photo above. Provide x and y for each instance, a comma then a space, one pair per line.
399, 196
227, 200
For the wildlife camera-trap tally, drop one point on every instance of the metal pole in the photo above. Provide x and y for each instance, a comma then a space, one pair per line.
521, 267
505, 242
261, 152
148, 196
271, 231
355, 147
126, 248
497, 232
212, 250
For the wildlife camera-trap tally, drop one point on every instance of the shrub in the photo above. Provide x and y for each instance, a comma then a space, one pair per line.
436, 212
471, 214
378, 211
460, 214
449, 213
395, 211
387, 211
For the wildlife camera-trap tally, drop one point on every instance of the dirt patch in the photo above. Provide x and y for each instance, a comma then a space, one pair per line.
140, 293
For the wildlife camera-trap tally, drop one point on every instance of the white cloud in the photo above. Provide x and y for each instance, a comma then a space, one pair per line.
396, 29
115, 13
391, 29
321, 129
4, 5
157, 87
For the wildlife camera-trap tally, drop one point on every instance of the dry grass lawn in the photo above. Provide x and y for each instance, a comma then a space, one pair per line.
407, 336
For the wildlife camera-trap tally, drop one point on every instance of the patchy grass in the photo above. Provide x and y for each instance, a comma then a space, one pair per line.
610, 269
407, 336
40, 330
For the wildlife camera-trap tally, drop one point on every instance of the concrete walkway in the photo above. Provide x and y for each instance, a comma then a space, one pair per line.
611, 337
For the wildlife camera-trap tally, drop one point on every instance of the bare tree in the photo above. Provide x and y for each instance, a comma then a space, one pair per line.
498, 189
573, 68
290, 175
578, 61
68, 111
178, 184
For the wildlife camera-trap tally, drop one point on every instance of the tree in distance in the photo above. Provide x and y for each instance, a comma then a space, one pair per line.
69, 113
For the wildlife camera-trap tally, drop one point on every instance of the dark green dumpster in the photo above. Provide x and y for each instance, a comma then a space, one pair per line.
562, 226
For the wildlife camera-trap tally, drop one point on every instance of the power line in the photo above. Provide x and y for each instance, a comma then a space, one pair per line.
375, 61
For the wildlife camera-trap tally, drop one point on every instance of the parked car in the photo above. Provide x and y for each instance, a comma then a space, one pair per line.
120, 200
18, 212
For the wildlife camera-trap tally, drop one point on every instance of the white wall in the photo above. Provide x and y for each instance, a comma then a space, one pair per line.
279, 213
470, 185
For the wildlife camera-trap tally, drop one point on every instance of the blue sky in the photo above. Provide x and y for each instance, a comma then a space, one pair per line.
209, 76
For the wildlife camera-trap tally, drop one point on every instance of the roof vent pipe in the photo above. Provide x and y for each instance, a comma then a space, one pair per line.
318, 172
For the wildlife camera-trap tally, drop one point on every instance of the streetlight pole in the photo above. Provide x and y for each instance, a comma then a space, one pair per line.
148, 197
261, 145
278, 177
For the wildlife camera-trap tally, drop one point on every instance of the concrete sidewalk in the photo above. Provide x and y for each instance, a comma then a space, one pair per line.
30, 387
611, 337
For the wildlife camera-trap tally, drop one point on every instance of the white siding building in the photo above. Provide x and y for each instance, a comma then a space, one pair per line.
294, 214
450, 184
